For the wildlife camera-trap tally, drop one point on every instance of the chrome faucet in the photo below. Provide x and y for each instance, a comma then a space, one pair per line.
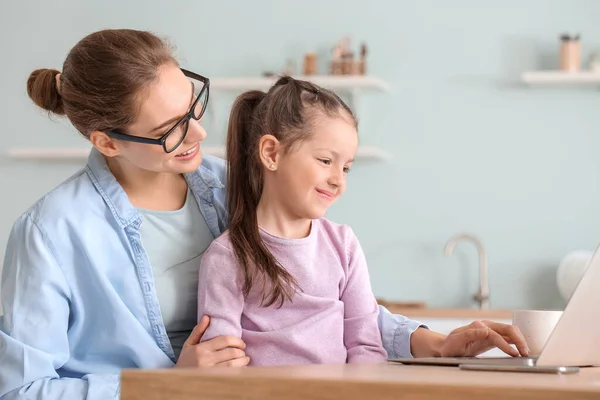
482, 297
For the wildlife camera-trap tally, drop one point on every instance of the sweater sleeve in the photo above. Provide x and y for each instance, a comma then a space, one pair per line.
362, 337
219, 292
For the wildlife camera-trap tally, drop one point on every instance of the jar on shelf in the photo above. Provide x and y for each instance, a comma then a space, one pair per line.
570, 53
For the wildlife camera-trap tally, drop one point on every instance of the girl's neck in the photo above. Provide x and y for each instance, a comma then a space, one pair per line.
274, 218
150, 190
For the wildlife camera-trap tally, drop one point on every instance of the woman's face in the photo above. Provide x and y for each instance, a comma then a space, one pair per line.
163, 105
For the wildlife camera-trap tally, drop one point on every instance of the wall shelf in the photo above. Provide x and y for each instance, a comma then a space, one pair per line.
352, 85
81, 153
349, 85
555, 78
333, 82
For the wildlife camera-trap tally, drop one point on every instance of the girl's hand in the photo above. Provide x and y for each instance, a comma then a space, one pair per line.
222, 351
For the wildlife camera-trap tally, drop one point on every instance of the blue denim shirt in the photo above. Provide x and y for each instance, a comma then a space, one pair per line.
78, 295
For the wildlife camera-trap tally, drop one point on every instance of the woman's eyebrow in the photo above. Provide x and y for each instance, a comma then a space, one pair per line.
169, 122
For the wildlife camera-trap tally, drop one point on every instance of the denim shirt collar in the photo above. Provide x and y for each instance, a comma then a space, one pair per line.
200, 182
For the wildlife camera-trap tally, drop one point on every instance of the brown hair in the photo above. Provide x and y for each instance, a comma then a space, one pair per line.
103, 79
287, 111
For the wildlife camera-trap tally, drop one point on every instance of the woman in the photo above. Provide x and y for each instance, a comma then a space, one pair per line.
101, 273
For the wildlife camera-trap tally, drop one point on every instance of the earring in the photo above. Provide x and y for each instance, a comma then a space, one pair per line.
272, 166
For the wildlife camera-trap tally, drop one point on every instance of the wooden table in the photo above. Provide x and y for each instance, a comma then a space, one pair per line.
350, 382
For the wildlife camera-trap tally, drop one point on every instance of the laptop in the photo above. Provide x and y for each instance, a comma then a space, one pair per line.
572, 343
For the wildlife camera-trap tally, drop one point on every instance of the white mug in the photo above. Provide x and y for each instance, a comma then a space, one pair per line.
536, 326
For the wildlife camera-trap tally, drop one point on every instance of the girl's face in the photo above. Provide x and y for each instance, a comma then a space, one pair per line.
312, 175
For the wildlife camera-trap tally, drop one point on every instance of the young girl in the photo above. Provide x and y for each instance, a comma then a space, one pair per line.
291, 284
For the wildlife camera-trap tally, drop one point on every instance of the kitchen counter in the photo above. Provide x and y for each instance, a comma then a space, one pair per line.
419, 310
354, 382
460, 313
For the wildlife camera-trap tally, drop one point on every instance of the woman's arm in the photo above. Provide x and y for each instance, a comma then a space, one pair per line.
33, 330
397, 333
405, 338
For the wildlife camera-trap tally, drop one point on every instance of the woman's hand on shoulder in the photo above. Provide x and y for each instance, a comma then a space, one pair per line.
222, 351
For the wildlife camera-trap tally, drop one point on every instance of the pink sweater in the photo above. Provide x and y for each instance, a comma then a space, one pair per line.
332, 320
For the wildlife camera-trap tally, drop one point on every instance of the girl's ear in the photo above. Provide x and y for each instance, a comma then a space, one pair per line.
269, 150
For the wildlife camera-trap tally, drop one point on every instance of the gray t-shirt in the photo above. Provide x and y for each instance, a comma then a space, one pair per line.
175, 242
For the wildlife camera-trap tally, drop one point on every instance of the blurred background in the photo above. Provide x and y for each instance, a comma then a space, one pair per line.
462, 127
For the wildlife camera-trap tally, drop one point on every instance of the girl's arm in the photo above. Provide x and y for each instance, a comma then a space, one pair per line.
220, 295
361, 331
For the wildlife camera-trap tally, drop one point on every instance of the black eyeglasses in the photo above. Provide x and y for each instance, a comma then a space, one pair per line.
176, 134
